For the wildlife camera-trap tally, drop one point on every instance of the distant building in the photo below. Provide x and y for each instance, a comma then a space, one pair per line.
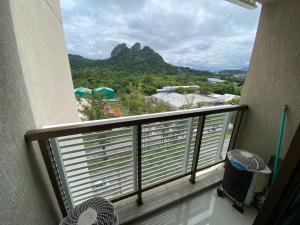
215, 80
170, 89
204, 100
107, 110
176, 100
240, 75
223, 98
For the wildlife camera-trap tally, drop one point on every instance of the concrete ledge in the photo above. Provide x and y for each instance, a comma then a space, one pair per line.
169, 194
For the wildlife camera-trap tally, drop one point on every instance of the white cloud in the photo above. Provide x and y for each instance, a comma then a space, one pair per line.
202, 34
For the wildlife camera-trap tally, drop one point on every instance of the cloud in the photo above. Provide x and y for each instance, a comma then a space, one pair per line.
201, 34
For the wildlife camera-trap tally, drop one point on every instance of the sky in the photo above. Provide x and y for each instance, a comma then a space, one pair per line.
201, 34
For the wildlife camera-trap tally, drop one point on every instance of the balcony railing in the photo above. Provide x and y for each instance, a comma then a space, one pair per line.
121, 157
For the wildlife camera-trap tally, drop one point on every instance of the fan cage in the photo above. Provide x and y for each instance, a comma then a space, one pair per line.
106, 213
250, 161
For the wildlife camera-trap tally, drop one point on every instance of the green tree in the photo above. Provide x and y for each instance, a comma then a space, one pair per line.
189, 90
206, 88
134, 100
94, 109
158, 107
234, 101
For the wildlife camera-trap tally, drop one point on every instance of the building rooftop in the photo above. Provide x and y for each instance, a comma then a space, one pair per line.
223, 98
177, 100
215, 80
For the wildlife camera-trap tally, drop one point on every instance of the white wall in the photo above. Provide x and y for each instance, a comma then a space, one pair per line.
43, 55
36, 90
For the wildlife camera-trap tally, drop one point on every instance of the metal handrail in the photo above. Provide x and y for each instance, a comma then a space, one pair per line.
98, 125
205, 145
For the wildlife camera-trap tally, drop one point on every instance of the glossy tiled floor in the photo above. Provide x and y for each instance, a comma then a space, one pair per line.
203, 209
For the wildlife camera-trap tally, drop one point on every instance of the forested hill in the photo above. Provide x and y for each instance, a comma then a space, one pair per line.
144, 68
134, 60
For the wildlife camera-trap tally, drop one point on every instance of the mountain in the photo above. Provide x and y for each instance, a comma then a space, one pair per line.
234, 72
77, 62
134, 60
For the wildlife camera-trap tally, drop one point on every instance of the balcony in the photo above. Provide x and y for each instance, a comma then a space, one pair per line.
121, 158
36, 90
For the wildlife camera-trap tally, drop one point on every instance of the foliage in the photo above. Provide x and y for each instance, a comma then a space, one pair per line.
187, 90
94, 109
145, 66
137, 104
238, 80
159, 107
136, 74
135, 101
97, 77
144, 61
234, 101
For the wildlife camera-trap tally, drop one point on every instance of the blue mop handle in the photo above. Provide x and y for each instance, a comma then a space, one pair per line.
275, 170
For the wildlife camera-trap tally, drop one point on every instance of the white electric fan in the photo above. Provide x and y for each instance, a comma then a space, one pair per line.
95, 211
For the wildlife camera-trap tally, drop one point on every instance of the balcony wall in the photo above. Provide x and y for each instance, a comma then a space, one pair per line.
34, 70
273, 79
43, 56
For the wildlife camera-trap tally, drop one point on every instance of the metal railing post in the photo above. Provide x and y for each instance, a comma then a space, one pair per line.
199, 135
50, 166
135, 157
61, 170
223, 136
139, 165
235, 130
189, 135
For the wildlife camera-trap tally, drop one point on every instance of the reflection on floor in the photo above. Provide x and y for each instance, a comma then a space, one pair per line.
204, 209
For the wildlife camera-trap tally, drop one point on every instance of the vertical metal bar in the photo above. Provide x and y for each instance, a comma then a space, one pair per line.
139, 164
189, 135
223, 136
47, 155
198, 141
235, 130
61, 171
135, 156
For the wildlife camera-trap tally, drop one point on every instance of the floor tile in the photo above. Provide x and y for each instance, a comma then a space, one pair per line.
203, 209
